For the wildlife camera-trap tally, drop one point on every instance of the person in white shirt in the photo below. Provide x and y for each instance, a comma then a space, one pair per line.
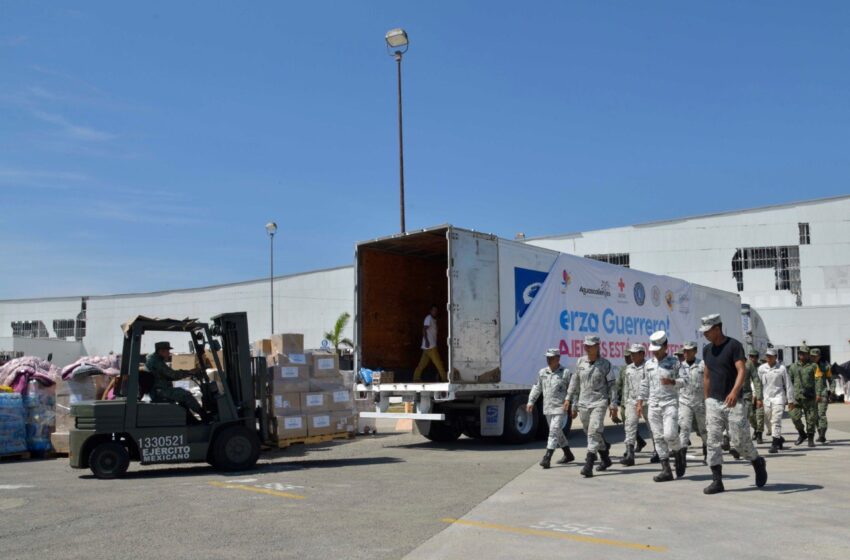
778, 390
429, 347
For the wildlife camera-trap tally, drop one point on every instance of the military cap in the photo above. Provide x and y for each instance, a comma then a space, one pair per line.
689, 345
628, 352
815, 352
657, 340
709, 321
679, 352
162, 346
637, 348
770, 352
803, 349
591, 340
753, 352
553, 353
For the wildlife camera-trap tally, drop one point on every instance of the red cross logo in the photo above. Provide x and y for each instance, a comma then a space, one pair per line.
621, 284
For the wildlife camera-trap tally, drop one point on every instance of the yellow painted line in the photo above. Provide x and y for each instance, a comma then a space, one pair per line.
554, 535
277, 493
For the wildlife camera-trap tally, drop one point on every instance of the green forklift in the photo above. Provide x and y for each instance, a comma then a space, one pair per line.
237, 417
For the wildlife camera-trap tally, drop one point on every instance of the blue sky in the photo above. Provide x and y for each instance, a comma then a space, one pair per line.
144, 146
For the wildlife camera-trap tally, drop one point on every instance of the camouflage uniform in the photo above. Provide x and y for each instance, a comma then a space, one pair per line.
553, 386
663, 403
692, 403
594, 386
805, 391
823, 387
163, 390
756, 415
629, 397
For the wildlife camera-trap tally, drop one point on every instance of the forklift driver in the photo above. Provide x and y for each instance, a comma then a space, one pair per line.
163, 390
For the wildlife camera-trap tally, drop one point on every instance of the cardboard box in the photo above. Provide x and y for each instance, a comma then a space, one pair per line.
383, 377
323, 364
289, 373
316, 401
287, 404
184, 361
262, 347
327, 383
320, 424
344, 421
293, 426
287, 344
279, 387
287, 359
209, 361
341, 400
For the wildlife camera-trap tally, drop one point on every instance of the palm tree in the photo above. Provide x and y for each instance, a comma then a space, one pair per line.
335, 334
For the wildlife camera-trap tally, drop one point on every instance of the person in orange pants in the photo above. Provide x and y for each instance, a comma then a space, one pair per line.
430, 354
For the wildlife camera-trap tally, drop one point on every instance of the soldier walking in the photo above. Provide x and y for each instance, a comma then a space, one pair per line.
805, 395
629, 395
552, 383
593, 390
692, 399
756, 403
724, 376
778, 391
660, 388
823, 388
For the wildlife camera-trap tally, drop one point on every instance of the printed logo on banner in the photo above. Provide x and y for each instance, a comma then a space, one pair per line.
684, 303
656, 296
526, 285
566, 279
604, 290
621, 296
668, 299
639, 293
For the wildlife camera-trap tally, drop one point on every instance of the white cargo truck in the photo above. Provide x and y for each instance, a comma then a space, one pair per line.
501, 304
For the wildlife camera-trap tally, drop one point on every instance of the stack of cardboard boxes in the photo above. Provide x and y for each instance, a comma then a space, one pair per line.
310, 397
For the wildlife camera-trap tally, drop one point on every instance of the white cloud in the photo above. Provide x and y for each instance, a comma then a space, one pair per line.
74, 131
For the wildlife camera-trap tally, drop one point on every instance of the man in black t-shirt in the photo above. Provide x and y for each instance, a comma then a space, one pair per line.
724, 376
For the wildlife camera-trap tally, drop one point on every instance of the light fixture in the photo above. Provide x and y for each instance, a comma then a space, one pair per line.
271, 227
397, 39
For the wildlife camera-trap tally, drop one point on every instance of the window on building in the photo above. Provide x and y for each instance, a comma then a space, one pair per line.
620, 259
64, 328
29, 329
785, 261
805, 238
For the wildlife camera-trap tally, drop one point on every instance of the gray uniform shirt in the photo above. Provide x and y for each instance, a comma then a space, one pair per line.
631, 384
594, 385
656, 393
693, 393
553, 386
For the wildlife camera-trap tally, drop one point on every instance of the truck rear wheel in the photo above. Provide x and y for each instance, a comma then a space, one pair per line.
235, 448
109, 460
520, 425
435, 430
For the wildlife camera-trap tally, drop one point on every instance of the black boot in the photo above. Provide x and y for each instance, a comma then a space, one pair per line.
641, 443
725, 445
822, 435
629, 459
755, 435
760, 466
666, 474
704, 453
547, 458
568, 456
775, 446
811, 438
781, 443
734, 453
716, 485
606, 460
654, 458
801, 438
681, 457
758, 438
606, 444
587, 469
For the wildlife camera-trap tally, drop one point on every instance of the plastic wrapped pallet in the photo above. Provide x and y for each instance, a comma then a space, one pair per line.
13, 434
39, 403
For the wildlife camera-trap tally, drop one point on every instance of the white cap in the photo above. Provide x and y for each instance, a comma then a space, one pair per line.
657, 340
553, 353
709, 321
770, 352
635, 348
591, 340
689, 345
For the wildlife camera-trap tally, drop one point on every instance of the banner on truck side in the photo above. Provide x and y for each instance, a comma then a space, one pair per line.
581, 297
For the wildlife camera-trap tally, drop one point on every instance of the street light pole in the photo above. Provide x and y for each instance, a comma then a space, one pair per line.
271, 228
397, 44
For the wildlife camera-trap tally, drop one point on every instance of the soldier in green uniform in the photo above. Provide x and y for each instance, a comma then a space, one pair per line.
163, 389
757, 404
805, 392
823, 388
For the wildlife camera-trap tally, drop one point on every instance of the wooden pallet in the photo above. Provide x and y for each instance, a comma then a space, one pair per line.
309, 440
16, 456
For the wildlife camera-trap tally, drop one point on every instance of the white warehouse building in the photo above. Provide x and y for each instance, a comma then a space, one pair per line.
790, 263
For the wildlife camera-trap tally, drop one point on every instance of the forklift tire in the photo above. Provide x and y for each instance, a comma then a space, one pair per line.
441, 432
520, 425
235, 448
109, 460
